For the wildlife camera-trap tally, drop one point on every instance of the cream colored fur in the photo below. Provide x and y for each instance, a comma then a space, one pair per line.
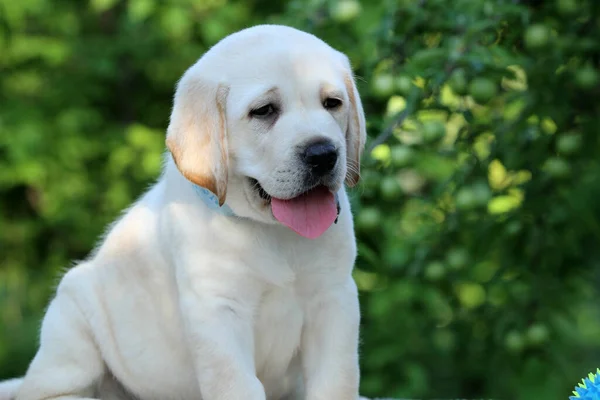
180, 302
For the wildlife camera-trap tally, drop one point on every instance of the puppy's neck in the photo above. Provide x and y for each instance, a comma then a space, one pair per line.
205, 195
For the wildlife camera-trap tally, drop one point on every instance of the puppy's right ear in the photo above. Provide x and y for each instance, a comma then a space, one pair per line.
197, 133
356, 134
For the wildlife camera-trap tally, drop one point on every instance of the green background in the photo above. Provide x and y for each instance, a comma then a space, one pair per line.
477, 216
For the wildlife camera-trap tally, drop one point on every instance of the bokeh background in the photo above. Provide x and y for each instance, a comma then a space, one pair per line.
478, 215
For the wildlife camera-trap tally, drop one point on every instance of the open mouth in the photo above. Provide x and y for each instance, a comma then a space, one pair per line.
259, 189
309, 214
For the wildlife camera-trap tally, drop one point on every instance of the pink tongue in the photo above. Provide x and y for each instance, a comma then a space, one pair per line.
309, 214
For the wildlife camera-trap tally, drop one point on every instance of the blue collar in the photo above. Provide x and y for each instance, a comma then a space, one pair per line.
212, 201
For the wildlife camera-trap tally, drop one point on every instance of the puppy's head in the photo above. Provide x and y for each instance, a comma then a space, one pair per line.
269, 119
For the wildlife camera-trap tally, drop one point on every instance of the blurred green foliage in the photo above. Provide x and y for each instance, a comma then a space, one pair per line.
477, 214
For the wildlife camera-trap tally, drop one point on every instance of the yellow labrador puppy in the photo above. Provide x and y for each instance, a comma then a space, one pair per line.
230, 279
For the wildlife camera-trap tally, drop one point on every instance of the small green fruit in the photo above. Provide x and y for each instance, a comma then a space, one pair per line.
513, 227
514, 342
471, 295
345, 10
401, 156
433, 131
465, 199
537, 334
397, 257
383, 85
586, 77
482, 90
390, 188
369, 219
476, 195
537, 37
567, 7
568, 144
482, 193
404, 85
458, 82
434, 271
557, 167
457, 258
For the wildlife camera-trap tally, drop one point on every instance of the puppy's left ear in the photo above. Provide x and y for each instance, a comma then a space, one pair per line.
356, 134
197, 133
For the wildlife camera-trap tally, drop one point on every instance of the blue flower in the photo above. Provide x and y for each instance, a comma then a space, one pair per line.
589, 389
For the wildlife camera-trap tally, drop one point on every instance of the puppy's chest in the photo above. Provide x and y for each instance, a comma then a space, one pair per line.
277, 330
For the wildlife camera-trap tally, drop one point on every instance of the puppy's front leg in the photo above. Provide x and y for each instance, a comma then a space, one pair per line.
68, 364
330, 344
217, 308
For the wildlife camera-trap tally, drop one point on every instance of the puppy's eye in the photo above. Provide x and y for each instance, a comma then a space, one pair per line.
264, 111
331, 103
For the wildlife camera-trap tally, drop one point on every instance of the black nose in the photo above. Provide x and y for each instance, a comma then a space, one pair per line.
320, 157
